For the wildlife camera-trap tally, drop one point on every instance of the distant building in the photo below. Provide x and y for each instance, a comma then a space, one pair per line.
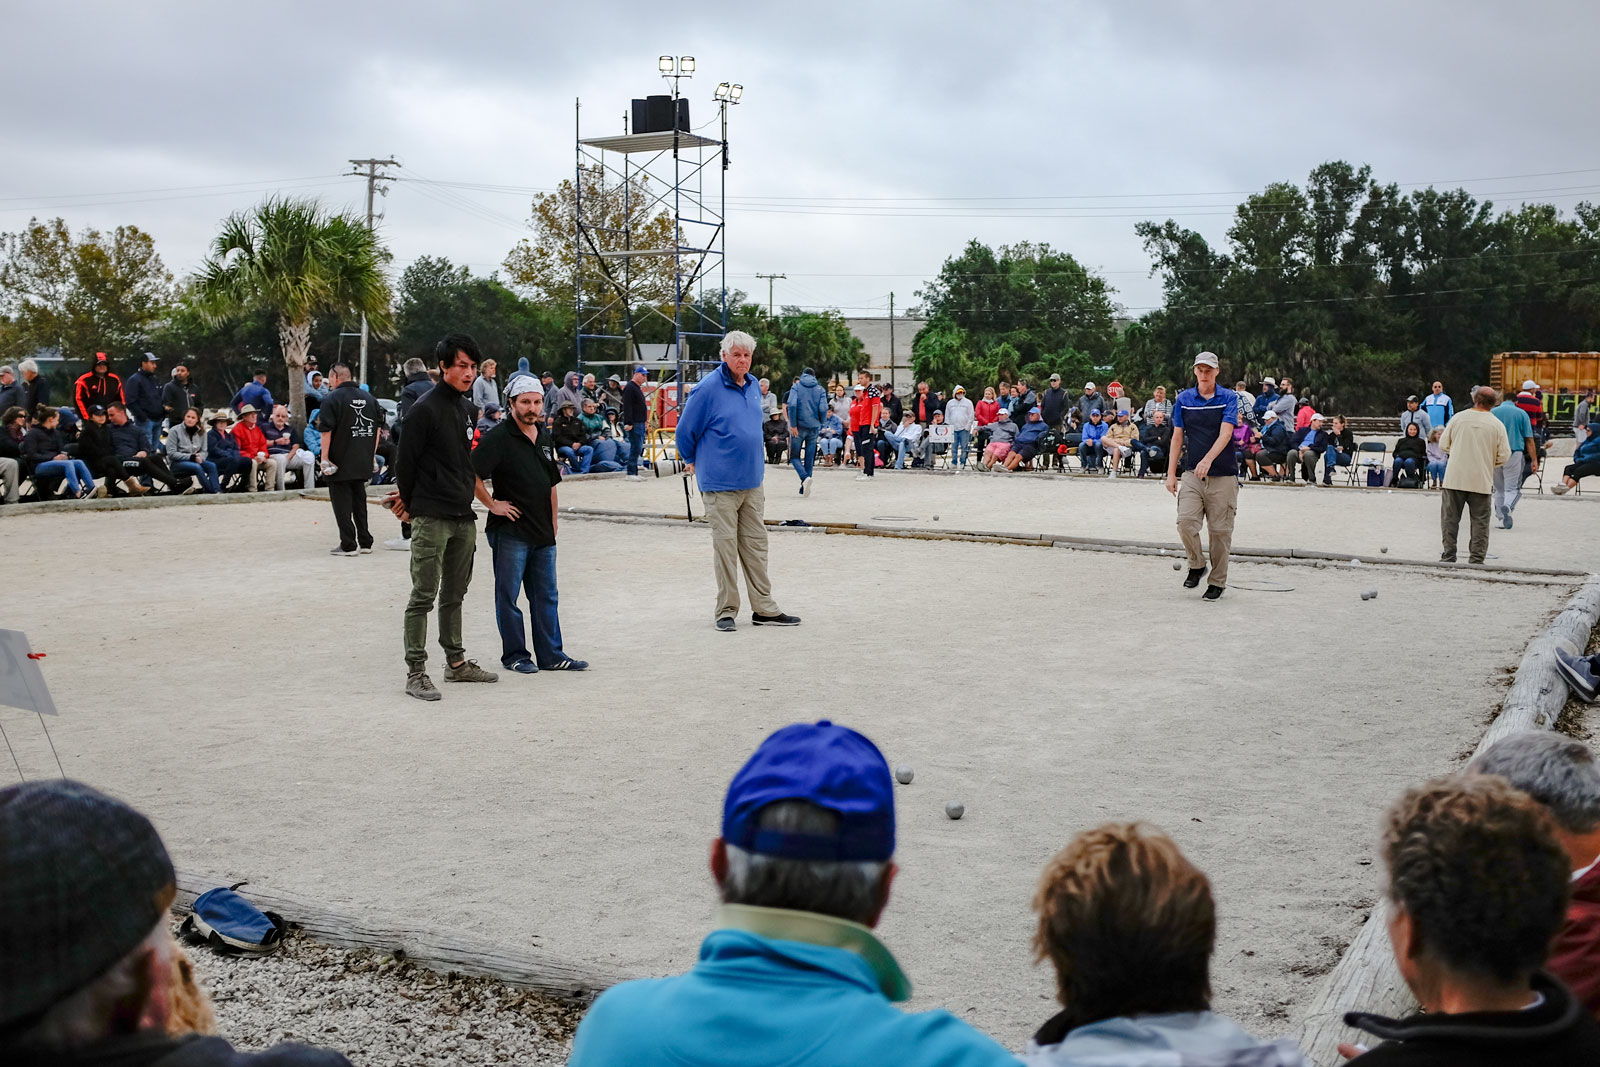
874, 335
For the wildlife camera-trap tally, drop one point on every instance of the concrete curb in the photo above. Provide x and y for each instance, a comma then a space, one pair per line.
128, 503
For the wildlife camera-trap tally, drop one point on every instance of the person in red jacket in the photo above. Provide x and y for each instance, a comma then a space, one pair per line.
98, 386
253, 446
1563, 775
865, 410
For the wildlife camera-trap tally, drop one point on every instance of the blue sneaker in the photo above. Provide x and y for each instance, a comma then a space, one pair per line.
523, 666
567, 664
1579, 675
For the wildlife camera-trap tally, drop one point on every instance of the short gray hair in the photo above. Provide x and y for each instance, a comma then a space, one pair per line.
415, 366
841, 888
738, 339
28, 366
1557, 771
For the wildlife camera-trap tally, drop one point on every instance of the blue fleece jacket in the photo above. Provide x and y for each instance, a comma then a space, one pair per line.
753, 999
720, 433
1589, 451
808, 403
1092, 432
1030, 432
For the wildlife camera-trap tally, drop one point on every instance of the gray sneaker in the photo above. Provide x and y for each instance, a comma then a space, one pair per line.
419, 685
469, 671
398, 544
1578, 675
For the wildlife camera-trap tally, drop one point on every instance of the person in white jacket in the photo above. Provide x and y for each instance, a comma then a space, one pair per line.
960, 415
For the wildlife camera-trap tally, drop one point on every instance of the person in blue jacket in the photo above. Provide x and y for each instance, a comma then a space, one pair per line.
793, 973
808, 407
720, 442
1091, 452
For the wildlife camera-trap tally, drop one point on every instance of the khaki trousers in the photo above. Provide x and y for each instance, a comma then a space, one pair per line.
1213, 501
1476, 505
739, 537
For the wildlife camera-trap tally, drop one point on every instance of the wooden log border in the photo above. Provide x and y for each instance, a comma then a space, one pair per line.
1366, 979
436, 950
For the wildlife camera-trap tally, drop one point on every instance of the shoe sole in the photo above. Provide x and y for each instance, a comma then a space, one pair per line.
769, 622
432, 694
484, 681
1575, 684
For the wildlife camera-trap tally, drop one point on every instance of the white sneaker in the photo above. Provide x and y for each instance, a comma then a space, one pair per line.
805, 487
862, 478
398, 544
1113, 472
634, 478
1560, 489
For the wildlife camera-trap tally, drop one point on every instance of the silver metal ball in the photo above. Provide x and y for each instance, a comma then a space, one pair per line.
903, 774
954, 809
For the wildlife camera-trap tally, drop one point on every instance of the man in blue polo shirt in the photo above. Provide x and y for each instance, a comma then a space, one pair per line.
1508, 478
793, 973
720, 442
1202, 446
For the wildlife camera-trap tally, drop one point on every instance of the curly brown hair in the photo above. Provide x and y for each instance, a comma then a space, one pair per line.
1476, 866
1129, 924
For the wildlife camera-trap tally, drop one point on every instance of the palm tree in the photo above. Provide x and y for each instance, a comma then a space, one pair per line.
297, 260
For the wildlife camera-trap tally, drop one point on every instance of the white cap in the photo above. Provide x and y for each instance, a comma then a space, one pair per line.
1269, 416
1316, 416
1530, 384
1207, 359
860, 388
1088, 385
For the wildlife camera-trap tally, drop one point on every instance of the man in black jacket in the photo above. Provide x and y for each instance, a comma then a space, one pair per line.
1478, 888
143, 394
131, 449
418, 382
1154, 444
349, 418
179, 395
635, 417
434, 486
1053, 404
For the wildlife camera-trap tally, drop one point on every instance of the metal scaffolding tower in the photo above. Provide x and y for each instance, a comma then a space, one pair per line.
621, 303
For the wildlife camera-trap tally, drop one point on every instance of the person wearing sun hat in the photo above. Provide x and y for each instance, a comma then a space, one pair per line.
793, 972
88, 965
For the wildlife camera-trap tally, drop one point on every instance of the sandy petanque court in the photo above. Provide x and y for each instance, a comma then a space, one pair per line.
217, 668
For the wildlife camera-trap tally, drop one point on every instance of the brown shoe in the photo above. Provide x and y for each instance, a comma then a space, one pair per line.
419, 685
469, 671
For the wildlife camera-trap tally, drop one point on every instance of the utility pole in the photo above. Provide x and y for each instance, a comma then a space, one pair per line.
769, 278
891, 338
373, 178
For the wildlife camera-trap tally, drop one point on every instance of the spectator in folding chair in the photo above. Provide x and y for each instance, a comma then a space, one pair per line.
1002, 431
45, 458
830, 440
222, 449
1341, 450
1154, 443
1246, 447
1030, 436
1436, 459
186, 451
130, 445
264, 468
1118, 441
282, 448
1275, 443
936, 440
1411, 454
1310, 445
1091, 451
1585, 464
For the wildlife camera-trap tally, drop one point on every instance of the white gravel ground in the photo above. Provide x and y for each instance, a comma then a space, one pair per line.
380, 1012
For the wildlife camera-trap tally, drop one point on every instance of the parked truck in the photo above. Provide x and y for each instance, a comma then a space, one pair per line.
1563, 377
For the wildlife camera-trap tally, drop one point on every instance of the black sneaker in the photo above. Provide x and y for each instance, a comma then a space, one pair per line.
1213, 592
774, 620
725, 625
1195, 574
567, 663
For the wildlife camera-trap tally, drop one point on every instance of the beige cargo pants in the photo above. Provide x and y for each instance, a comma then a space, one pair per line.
739, 537
1212, 501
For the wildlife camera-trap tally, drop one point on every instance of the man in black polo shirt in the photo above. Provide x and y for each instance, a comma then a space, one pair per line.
522, 530
349, 418
434, 486
1202, 445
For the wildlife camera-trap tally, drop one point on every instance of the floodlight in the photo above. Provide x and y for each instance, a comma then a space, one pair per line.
735, 93
686, 65
722, 91
664, 64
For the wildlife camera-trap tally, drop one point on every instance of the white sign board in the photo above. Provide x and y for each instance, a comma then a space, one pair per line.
658, 355
21, 680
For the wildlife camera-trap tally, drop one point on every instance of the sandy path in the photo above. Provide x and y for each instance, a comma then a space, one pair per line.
255, 711
1549, 531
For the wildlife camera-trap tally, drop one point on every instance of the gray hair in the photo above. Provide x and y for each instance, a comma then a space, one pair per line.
84, 1017
1558, 772
28, 366
844, 889
738, 339
415, 366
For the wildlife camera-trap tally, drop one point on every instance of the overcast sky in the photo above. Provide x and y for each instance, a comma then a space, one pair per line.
874, 139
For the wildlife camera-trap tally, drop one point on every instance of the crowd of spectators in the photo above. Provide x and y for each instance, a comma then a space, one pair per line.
1491, 879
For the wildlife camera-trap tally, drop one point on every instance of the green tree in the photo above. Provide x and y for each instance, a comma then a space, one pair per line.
97, 293
436, 297
294, 259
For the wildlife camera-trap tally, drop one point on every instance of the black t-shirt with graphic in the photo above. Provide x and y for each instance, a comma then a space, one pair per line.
352, 416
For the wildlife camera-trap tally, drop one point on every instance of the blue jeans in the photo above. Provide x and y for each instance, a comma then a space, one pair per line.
519, 567
830, 445
205, 473
75, 471
1436, 471
580, 457
803, 452
150, 430
1407, 464
610, 450
1331, 458
898, 443
635, 447
1091, 454
961, 448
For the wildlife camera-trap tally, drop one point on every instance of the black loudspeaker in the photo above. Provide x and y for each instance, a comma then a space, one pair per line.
641, 117
660, 115
683, 113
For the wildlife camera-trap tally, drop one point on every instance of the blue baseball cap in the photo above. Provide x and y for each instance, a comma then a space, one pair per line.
640, 369
830, 766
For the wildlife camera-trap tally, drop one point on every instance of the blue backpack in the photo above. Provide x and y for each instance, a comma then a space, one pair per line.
232, 925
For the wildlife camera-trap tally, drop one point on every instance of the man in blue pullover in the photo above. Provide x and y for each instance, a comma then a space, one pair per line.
793, 973
807, 406
720, 442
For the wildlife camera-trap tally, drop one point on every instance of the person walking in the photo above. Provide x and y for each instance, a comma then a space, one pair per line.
1475, 440
434, 485
348, 420
1508, 479
635, 418
720, 443
807, 407
521, 528
1202, 446
1580, 416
